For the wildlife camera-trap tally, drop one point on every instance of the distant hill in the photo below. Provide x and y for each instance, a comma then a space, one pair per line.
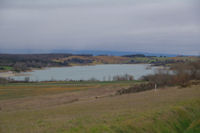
93, 52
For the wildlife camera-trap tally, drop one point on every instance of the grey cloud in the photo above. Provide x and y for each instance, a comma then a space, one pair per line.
148, 25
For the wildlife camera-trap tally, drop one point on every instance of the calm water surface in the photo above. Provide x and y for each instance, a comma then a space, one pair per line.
99, 72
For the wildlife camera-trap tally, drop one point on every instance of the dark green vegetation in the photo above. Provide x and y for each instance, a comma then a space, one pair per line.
7, 68
25, 62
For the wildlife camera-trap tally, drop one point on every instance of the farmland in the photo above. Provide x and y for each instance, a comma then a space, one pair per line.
117, 106
99, 66
93, 107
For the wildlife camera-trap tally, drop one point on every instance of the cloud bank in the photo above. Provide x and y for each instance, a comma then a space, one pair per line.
171, 26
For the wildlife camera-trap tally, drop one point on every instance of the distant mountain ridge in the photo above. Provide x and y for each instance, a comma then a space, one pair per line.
93, 52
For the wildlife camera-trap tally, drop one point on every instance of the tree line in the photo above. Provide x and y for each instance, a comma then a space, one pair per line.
24, 62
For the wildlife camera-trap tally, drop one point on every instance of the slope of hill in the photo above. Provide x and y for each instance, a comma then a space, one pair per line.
166, 110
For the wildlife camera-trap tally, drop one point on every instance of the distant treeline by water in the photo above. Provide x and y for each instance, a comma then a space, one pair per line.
26, 62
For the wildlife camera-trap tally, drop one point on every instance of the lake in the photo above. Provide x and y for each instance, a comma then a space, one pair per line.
99, 72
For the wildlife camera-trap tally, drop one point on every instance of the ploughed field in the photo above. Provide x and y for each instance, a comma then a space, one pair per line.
94, 107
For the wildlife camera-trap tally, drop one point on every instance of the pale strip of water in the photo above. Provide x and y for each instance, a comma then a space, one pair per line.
99, 72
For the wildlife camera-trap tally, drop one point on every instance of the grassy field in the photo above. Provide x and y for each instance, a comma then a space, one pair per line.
5, 68
92, 107
20, 90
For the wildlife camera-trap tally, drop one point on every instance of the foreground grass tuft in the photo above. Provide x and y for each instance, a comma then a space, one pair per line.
184, 118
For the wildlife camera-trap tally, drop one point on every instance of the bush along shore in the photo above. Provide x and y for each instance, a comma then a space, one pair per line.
181, 74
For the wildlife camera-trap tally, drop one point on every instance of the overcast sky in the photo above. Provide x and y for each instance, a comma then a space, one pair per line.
158, 26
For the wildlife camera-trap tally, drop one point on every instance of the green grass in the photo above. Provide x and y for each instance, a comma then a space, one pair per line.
170, 110
181, 118
7, 68
21, 90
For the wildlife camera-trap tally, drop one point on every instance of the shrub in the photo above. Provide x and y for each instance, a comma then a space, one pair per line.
92, 79
3, 81
27, 79
125, 77
184, 72
161, 78
137, 88
178, 74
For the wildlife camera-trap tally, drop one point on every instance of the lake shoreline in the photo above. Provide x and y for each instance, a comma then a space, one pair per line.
101, 72
9, 74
